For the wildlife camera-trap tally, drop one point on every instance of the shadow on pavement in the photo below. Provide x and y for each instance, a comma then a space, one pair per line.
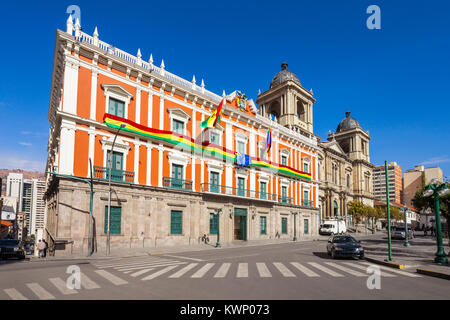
322, 255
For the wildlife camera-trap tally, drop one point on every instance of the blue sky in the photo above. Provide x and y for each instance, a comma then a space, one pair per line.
395, 81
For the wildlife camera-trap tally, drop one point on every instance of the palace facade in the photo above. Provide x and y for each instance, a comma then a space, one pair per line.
172, 181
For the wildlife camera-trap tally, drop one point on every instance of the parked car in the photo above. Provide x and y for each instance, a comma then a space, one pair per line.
333, 227
344, 246
11, 249
399, 233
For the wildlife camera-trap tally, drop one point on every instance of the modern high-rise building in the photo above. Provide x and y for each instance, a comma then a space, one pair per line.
414, 179
394, 179
30, 195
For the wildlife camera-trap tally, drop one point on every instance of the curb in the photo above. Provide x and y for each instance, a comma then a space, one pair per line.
386, 263
433, 273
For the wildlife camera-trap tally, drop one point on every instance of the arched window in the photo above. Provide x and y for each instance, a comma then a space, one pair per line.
335, 207
275, 111
301, 113
348, 180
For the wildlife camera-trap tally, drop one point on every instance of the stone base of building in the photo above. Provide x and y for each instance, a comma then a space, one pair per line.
144, 217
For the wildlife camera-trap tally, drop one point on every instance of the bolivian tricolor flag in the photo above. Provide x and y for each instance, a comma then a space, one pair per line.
214, 118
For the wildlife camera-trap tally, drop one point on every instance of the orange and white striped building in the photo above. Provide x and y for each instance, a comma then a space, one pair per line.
169, 176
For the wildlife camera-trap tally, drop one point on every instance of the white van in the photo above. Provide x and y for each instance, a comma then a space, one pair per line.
333, 227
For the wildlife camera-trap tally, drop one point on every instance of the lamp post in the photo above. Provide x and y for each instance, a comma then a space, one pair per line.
295, 226
218, 212
108, 235
388, 209
436, 190
406, 244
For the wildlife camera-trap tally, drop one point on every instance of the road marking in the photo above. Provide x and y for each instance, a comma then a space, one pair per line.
200, 273
358, 266
14, 294
141, 272
326, 270
39, 291
305, 270
123, 262
87, 283
223, 270
157, 274
263, 270
284, 271
404, 273
111, 278
148, 265
345, 269
133, 263
181, 272
61, 285
242, 270
181, 257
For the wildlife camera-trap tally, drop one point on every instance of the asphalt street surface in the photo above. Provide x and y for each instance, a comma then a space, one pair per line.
297, 270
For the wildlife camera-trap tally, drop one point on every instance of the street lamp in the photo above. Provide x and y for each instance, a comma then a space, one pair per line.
438, 190
108, 235
295, 226
406, 244
218, 212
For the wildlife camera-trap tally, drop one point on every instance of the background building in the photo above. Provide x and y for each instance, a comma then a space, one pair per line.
414, 179
345, 171
395, 182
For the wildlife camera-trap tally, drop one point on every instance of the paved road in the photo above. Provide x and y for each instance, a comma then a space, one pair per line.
286, 271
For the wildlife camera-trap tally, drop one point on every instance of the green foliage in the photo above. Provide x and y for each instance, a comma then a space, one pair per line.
360, 211
395, 213
422, 203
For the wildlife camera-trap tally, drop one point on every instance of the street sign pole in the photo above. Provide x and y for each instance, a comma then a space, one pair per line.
388, 205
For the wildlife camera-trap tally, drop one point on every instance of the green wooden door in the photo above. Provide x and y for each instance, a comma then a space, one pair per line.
114, 220
284, 194
242, 213
262, 190
177, 176
176, 222
241, 187
284, 225
214, 182
116, 166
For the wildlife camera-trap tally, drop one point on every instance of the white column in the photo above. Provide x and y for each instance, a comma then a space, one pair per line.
138, 105
160, 166
229, 146
252, 182
91, 146
149, 163
70, 85
194, 132
136, 161
161, 112
94, 93
252, 144
67, 146
150, 109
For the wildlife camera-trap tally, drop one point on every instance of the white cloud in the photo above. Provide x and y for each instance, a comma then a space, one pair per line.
436, 160
13, 162
25, 144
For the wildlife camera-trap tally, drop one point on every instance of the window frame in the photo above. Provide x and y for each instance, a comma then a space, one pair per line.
172, 222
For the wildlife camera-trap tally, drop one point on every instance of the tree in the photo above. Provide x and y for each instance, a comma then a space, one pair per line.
357, 210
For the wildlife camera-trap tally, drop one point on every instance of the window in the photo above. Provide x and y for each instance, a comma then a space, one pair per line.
241, 187
214, 182
214, 138
263, 224
240, 147
176, 222
116, 166
306, 167
114, 220
263, 190
116, 107
178, 126
284, 160
306, 198
306, 226
284, 225
348, 181
177, 176
213, 223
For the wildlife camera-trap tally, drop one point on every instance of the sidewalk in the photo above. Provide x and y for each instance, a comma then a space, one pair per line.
134, 252
419, 257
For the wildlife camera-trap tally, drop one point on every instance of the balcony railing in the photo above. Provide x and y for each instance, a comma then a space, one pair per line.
174, 183
238, 192
285, 200
116, 175
307, 203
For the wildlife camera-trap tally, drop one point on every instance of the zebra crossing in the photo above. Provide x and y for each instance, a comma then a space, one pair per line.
121, 272
151, 268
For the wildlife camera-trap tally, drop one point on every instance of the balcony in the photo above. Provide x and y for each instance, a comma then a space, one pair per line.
174, 183
244, 193
307, 203
284, 199
101, 173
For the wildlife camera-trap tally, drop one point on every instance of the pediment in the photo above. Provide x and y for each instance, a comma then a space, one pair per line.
333, 145
118, 89
179, 112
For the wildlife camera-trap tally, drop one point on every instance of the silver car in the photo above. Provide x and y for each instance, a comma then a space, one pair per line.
399, 233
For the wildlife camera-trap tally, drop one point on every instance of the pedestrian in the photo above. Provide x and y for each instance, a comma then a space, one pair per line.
41, 247
425, 230
45, 249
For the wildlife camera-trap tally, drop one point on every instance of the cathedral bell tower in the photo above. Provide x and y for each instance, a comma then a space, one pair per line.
287, 102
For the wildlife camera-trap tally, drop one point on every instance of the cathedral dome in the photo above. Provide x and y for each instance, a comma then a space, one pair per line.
283, 76
348, 123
